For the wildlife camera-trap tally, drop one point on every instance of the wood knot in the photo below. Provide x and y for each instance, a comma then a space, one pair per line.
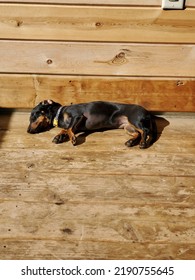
60, 202
119, 59
98, 24
19, 23
120, 55
180, 83
67, 231
49, 61
30, 165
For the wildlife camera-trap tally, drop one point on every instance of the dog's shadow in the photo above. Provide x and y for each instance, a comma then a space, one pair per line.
81, 137
161, 123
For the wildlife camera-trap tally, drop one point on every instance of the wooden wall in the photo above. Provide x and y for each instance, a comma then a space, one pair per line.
82, 50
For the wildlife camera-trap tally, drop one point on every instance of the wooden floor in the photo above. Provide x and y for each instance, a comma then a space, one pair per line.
100, 199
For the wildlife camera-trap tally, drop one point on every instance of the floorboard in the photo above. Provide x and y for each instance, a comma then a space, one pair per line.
100, 199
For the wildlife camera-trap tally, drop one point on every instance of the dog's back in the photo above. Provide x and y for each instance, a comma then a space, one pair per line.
110, 115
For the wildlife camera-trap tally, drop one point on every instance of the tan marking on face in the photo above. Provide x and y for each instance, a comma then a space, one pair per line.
35, 124
44, 121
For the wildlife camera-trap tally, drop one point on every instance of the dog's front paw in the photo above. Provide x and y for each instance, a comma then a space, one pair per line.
129, 143
60, 138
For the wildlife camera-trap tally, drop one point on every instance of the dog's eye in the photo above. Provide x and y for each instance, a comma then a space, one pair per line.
42, 113
33, 116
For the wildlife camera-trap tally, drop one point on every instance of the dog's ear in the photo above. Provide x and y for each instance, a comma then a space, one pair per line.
47, 102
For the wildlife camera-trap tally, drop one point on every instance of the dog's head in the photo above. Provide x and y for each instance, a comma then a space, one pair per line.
41, 117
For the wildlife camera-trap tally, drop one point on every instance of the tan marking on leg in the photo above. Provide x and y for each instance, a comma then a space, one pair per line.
38, 121
62, 132
136, 133
60, 137
133, 131
71, 135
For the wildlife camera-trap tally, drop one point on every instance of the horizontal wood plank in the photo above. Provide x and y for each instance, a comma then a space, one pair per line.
97, 59
188, 3
104, 144
59, 250
150, 93
122, 24
18, 90
113, 226
107, 163
106, 158
20, 187
25, 91
93, 2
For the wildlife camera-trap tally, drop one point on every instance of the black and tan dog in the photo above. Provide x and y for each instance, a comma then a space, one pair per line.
92, 116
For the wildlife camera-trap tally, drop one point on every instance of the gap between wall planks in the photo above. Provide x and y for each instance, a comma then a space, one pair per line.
100, 23
25, 91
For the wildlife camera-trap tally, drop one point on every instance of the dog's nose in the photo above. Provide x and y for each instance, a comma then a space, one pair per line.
29, 129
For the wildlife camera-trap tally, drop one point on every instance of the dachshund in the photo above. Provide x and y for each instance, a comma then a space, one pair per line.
93, 116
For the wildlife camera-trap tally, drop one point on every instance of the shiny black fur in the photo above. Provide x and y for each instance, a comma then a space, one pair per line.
136, 120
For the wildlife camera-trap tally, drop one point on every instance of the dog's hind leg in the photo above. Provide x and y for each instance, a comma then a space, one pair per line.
135, 135
144, 137
138, 136
144, 129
